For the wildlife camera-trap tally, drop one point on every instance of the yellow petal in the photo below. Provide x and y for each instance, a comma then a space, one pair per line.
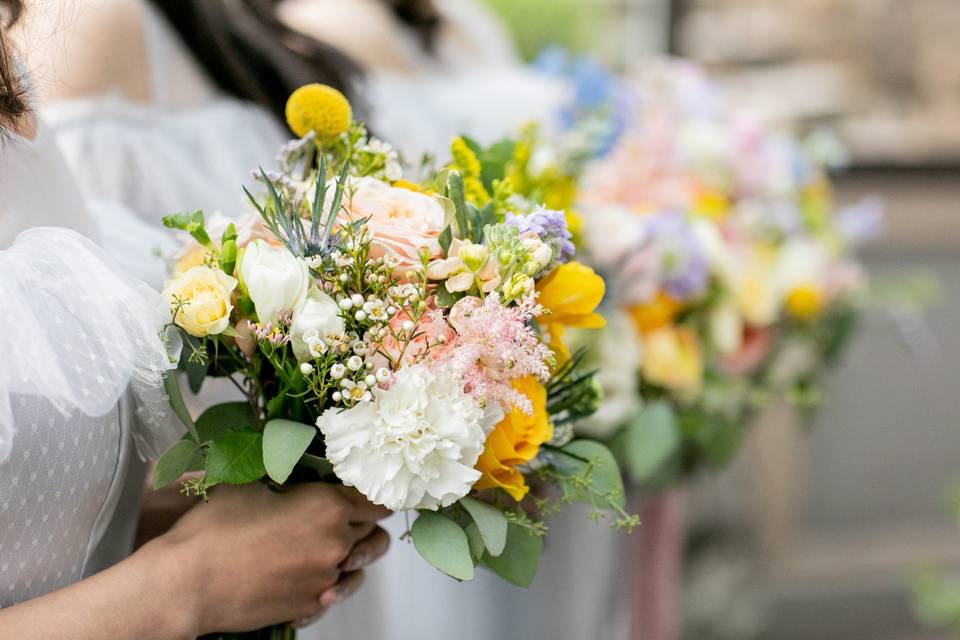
571, 290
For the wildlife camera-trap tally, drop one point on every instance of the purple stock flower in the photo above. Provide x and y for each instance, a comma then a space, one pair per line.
683, 261
551, 226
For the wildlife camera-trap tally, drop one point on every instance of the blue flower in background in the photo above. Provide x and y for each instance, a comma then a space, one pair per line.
600, 104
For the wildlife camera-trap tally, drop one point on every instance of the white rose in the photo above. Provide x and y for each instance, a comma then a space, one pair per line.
318, 316
415, 445
275, 279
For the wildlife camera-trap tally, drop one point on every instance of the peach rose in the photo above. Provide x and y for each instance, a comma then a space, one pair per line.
402, 222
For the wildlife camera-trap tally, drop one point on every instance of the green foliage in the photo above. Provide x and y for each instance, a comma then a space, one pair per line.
284, 443
193, 224
175, 461
936, 600
172, 387
490, 522
228, 249
520, 558
444, 544
648, 441
221, 419
589, 474
537, 24
235, 458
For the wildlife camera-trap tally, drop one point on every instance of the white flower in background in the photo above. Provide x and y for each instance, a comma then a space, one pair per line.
613, 234
415, 445
726, 329
275, 279
318, 316
801, 277
620, 354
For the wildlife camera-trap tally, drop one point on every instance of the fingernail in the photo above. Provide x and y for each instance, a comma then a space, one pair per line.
357, 562
330, 597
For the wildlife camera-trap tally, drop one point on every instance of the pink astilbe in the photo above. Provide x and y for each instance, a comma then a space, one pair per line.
494, 345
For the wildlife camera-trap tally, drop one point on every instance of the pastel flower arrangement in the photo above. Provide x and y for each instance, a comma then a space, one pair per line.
731, 278
399, 338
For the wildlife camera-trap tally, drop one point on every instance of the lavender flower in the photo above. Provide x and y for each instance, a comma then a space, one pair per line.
552, 228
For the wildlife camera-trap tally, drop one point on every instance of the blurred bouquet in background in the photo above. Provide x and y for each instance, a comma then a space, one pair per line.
731, 278
396, 337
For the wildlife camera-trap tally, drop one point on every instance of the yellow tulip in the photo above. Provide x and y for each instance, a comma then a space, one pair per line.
514, 441
570, 293
655, 314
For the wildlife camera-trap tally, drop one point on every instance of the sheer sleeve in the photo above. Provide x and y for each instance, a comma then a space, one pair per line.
78, 331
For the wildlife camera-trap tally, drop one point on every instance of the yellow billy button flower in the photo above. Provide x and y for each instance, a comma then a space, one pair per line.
805, 302
318, 108
571, 293
515, 440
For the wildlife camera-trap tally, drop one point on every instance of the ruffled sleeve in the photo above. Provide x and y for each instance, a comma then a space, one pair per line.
77, 330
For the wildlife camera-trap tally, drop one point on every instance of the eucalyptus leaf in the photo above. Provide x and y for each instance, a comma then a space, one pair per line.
490, 521
284, 443
235, 458
174, 462
649, 441
475, 540
605, 482
443, 544
520, 558
224, 418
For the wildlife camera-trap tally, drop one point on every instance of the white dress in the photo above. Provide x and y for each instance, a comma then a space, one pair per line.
80, 377
189, 148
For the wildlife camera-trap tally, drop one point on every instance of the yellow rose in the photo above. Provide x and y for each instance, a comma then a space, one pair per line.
195, 256
201, 299
672, 359
514, 441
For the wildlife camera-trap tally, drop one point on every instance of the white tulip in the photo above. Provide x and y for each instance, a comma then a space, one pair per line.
275, 279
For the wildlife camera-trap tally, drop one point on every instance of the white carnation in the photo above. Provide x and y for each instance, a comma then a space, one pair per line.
415, 445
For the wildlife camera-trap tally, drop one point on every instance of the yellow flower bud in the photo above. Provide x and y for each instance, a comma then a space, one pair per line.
805, 302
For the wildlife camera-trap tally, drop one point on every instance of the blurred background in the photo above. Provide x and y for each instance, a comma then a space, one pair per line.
819, 532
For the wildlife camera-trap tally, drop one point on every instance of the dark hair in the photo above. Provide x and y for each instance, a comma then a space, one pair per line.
250, 54
421, 16
13, 99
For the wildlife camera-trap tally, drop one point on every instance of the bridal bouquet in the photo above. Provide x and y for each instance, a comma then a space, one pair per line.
732, 275
394, 337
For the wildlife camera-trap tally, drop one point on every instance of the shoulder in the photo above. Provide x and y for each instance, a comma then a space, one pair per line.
86, 47
365, 30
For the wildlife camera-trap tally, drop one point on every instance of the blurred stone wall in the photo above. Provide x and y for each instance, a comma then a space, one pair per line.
884, 73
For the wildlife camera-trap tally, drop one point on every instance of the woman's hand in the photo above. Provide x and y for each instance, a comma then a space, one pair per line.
252, 557
247, 559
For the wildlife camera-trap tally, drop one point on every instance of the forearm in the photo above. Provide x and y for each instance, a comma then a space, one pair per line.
145, 596
160, 511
